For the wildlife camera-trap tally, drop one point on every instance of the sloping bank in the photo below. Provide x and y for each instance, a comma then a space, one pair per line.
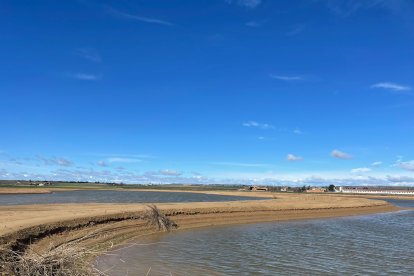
97, 227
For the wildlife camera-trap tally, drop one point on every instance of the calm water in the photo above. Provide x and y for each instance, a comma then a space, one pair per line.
381, 244
109, 196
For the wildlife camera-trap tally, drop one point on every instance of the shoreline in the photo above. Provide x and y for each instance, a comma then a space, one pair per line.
16, 218
262, 194
101, 226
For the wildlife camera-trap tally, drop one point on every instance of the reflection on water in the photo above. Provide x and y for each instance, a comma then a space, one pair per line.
111, 196
380, 244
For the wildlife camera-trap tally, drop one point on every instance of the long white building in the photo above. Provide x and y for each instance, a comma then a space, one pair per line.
373, 191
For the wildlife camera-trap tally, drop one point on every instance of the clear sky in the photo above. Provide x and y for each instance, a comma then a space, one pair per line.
210, 91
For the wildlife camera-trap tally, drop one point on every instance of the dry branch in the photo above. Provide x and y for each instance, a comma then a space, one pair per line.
156, 218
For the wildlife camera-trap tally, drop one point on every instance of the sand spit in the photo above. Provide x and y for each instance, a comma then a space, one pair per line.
8, 191
101, 226
29, 218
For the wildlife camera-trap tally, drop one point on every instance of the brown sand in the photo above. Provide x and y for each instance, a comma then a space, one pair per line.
24, 191
25, 218
100, 226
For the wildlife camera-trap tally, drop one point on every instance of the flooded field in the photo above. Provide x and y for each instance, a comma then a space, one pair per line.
111, 196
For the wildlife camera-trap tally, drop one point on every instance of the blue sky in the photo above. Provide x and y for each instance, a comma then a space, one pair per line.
217, 91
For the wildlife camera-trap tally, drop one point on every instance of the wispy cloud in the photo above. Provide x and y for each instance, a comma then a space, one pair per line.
89, 54
295, 30
345, 8
245, 3
292, 157
258, 125
286, 78
59, 161
400, 178
236, 164
376, 164
170, 172
253, 24
102, 163
406, 165
127, 155
360, 170
391, 86
128, 16
297, 131
86, 77
340, 154
266, 126
123, 160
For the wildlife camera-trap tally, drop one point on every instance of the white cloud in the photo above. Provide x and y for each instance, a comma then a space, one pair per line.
144, 19
292, 157
245, 3
407, 165
297, 131
123, 160
340, 154
376, 164
102, 163
59, 161
170, 172
360, 170
239, 177
286, 78
86, 77
139, 156
89, 54
236, 164
257, 125
400, 178
391, 86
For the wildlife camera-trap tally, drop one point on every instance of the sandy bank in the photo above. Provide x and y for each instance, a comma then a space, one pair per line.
24, 191
100, 226
32, 220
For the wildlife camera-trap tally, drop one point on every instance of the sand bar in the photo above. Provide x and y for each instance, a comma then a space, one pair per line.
24, 191
194, 214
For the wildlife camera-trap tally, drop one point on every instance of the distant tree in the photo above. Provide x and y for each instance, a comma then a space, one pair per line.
301, 189
331, 188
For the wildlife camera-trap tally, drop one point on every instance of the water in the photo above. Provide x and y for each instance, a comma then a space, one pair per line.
111, 196
380, 244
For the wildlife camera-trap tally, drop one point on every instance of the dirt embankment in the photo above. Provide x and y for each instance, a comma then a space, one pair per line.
43, 225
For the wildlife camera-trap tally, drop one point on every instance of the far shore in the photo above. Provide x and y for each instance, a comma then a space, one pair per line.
48, 190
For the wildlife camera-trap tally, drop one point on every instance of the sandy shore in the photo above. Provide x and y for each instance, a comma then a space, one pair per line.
24, 191
19, 222
99, 226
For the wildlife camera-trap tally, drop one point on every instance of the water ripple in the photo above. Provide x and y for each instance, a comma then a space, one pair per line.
368, 245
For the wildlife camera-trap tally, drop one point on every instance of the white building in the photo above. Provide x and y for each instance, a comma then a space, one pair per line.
374, 191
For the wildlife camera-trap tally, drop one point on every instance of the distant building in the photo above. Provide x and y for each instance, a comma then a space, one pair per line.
257, 188
316, 190
367, 190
